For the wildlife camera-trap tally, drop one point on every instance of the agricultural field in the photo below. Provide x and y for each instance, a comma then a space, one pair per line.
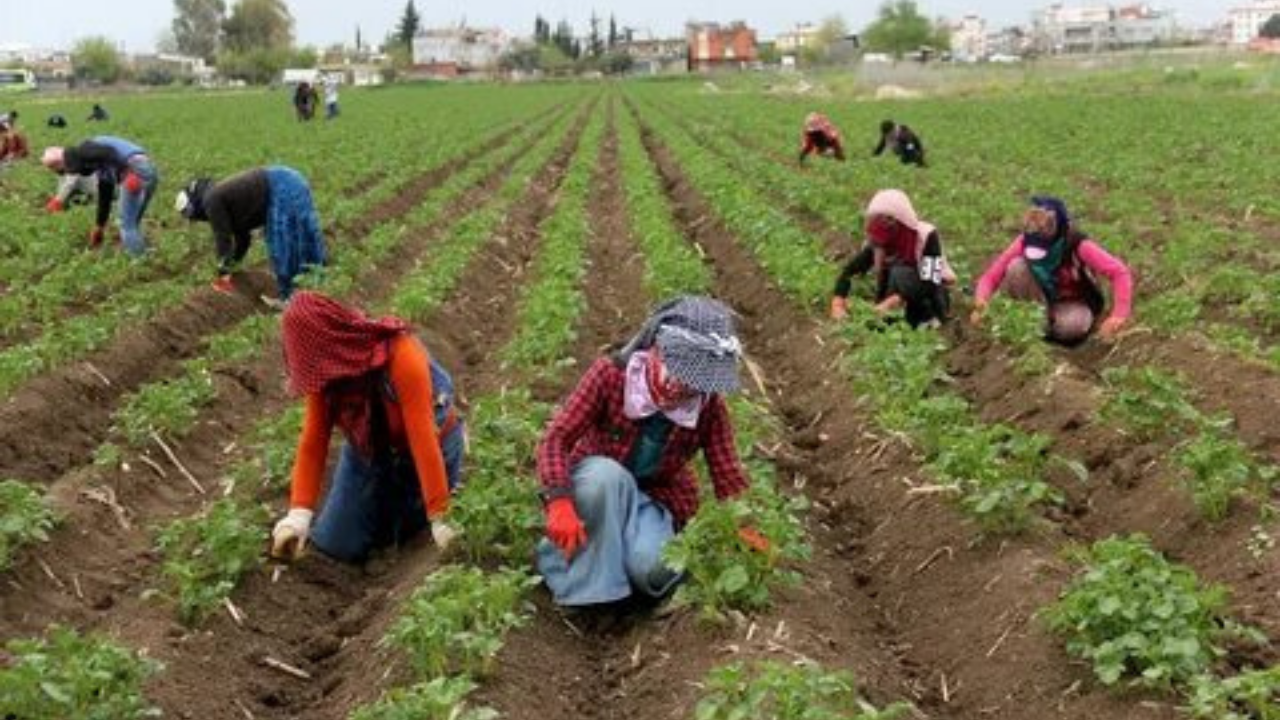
964, 524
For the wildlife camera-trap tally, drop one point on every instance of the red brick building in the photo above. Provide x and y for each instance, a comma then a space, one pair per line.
713, 46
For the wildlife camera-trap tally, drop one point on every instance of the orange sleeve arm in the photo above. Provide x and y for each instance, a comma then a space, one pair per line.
313, 453
410, 373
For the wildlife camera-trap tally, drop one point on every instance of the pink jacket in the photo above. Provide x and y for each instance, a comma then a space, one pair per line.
1090, 253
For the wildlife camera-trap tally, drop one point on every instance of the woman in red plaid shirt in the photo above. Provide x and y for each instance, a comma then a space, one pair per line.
614, 461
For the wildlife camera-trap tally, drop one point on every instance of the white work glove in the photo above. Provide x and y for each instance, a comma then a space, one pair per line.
290, 535
442, 533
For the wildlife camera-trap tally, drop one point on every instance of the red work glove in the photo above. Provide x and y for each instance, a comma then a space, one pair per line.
54, 205
224, 285
95, 236
564, 528
132, 183
754, 539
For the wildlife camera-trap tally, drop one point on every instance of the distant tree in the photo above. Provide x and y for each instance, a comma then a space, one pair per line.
899, 29
197, 27
410, 24
258, 25
541, 31
563, 39
167, 43
96, 58
307, 57
359, 41
595, 45
614, 37
1270, 28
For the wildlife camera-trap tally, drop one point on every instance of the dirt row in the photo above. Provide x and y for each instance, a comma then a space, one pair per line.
102, 566
36, 412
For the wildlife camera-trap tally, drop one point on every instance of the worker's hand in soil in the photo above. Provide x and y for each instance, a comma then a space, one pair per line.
839, 308
442, 533
132, 183
289, 538
564, 528
1111, 327
95, 236
754, 539
224, 285
54, 205
975, 317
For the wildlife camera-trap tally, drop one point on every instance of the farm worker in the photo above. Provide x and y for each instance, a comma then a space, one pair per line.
330, 96
275, 198
98, 114
56, 120
117, 162
304, 100
73, 189
901, 141
394, 404
820, 137
13, 144
906, 255
614, 461
1053, 262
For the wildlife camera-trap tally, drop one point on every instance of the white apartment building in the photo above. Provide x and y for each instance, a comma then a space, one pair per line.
1247, 20
969, 39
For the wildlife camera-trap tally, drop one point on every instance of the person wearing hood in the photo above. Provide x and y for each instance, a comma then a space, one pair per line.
116, 161
275, 198
905, 254
375, 381
1055, 263
901, 141
13, 144
614, 461
820, 137
98, 114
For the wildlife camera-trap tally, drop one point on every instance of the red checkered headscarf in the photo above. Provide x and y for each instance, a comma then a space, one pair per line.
332, 349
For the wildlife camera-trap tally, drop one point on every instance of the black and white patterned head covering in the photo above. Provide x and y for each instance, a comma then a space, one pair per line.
696, 337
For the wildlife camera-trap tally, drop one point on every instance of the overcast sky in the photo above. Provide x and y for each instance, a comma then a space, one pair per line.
138, 23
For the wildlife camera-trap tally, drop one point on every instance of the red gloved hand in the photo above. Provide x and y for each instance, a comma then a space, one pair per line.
754, 539
132, 183
224, 285
95, 236
54, 205
564, 528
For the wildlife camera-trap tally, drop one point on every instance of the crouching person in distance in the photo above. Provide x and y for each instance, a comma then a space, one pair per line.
1053, 263
116, 161
820, 137
901, 141
402, 457
905, 253
275, 198
613, 462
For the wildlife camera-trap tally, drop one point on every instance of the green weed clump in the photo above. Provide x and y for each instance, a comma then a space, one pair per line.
1251, 695
206, 555
1141, 619
773, 690
454, 623
66, 675
442, 698
25, 517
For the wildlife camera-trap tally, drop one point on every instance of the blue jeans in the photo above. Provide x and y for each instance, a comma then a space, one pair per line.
376, 504
626, 531
134, 205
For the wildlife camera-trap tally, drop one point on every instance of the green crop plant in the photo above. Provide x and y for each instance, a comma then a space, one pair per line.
455, 621
1217, 467
168, 405
777, 691
65, 675
722, 570
1251, 695
442, 698
1148, 402
1139, 618
1172, 312
25, 518
497, 507
1021, 325
205, 555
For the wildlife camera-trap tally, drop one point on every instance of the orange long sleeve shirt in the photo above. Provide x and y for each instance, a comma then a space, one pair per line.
410, 422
